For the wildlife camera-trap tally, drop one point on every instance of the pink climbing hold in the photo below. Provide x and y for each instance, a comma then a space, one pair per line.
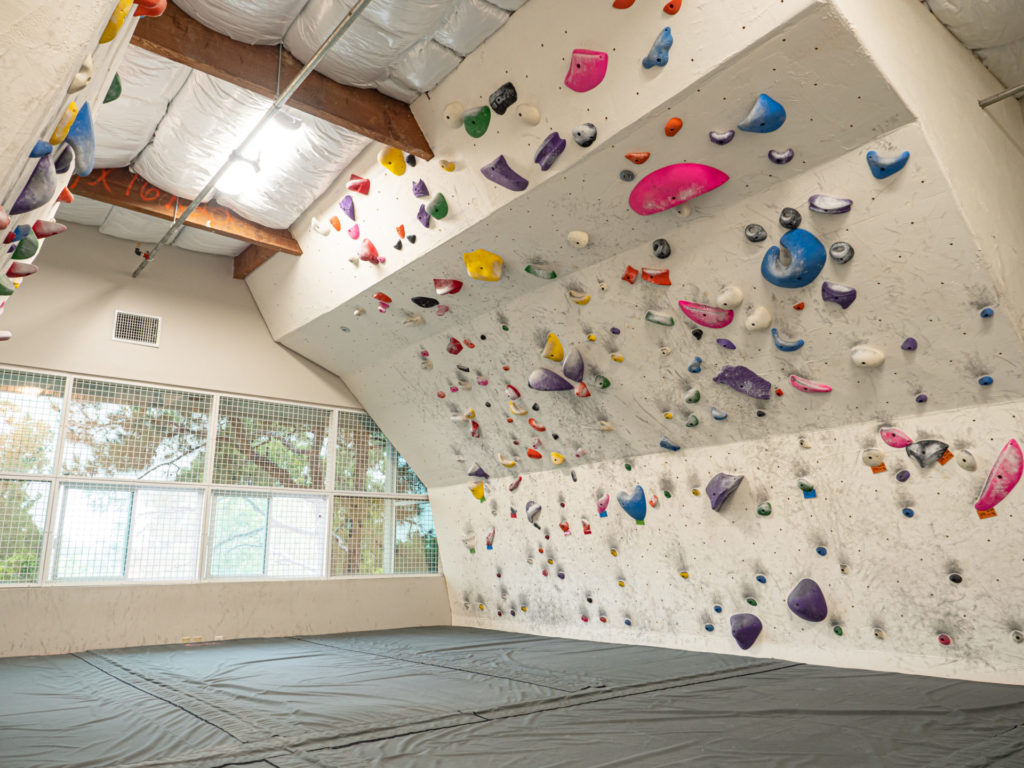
43, 229
895, 437
586, 69
709, 317
806, 385
673, 185
445, 286
358, 184
353, 231
1003, 478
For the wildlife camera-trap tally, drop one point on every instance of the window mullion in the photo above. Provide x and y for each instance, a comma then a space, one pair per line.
46, 557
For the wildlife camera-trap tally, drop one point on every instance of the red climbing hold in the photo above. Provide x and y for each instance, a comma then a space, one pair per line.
630, 274
368, 252
798, 307
65, 196
533, 453
454, 346
622, 4
445, 286
656, 276
358, 184
672, 7
43, 229
152, 8
581, 390
638, 158
379, 296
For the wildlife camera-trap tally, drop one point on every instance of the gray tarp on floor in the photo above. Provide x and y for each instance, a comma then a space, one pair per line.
456, 697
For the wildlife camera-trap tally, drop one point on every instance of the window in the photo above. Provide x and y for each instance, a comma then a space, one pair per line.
104, 481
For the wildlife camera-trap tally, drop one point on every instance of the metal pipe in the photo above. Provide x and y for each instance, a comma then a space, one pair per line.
1017, 90
279, 102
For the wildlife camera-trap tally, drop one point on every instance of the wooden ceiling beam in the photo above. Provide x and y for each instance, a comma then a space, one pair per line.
177, 36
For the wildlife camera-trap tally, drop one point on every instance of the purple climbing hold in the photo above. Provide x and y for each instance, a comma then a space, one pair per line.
921, 398
348, 207
746, 628
500, 173
720, 488
572, 366
422, 216
549, 150
808, 601
780, 158
744, 381
903, 475
829, 204
840, 294
477, 471
547, 381
419, 189
615, 330
725, 343
909, 344
38, 189
721, 137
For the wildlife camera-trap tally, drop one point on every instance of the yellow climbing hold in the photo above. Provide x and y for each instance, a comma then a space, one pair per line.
506, 462
64, 124
622, 582
481, 606
478, 491
483, 265
616, 357
448, 165
668, 415
557, 458
606, 426
116, 21
684, 574
695, 491
392, 159
553, 349
579, 298
516, 411
615, 552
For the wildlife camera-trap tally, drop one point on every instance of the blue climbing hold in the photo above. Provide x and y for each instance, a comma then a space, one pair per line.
634, 504
658, 56
884, 166
41, 148
694, 367
82, 139
908, 512
668, 445
807, 254
785, 345
761, 578
821, 551
765, 116
709, 627
987, 312
717, 608
985, 381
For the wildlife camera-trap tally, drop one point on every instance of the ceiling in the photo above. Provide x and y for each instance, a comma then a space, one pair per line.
175, 126
993, 30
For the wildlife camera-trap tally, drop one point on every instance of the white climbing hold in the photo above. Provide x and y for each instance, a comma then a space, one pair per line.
873, 457
515, 410
578, 238
759, 319
453, 113
322, 228
966, 461
606, 426
358, 311
665, 351
730, 298
506, 462
867, 357
413, 320
528, 113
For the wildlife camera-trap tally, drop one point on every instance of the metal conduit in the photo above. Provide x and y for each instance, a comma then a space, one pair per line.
279, 102
1017, 90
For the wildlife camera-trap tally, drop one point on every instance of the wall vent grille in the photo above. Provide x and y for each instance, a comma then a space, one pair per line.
137, 329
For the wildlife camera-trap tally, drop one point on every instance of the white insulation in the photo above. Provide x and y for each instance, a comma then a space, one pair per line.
257, 22
993, 29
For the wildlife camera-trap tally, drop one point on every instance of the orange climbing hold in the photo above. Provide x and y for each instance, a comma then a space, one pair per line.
336, 223
65, 196
798, 307
379, 296
400, 229
622, 4
150, 7
533, 453
638, 158
672, 7
673, 126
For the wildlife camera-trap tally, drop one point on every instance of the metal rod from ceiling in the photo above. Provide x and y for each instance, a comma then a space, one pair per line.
279, 102
1017, 90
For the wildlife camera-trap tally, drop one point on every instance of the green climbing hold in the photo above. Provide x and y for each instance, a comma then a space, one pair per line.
764, 509
476, 121
504, 327
438, 207
114, 91
27, 247
751, 601
603, 382
668, 494
541, 272
693, 396
838, 630
629, 467
6, 286
805, 486
692, 420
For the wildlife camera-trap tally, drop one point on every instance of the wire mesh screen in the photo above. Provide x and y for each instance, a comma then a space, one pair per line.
22, 522
123, 532
30, 406
139, 433
367, 461
275, 445
359, 530
415, 537
266, 535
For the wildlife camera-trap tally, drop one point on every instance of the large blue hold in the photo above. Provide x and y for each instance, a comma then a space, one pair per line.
658, 56
634, 504
884, 166
767, 115
82, 139
808, 259
41, 148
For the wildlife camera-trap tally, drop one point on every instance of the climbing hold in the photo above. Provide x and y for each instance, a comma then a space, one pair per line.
81, 139
572, 366
622, 4
784, 344
116, 21
764, 509
606, 426
579, 298
438, 206
987, 312
617, 357
709, 317
808, 601
368, 252
39, 188
578, 238
986, 381
602, 507
502, 98
884, 166
672, 7
453, 112
528, 113
964, 458
659, 318
744, 381
454, 346
547, 381
320, 227
867, 357
873, 457
638, 158
720, 488
697, 333
483, 265
586, 70
655, 276
633, 504
694, 367
581, 390
21, 269
927, 452
353, 232
501, 174
505, 462
476, 121
424, 301
956, 578
895, 437
114, 91
629, 274
584, 134
549, 150
27, 247
627, 175
668, 415
806, 260
945, 639
821, 551
807, 385
758, 319
358, 184
447, 165
392, 159
533, 510
781, 158
516, 410
721, 137
515, 483
745, 629
602, 381
477, 471
658, 55
718, 415
662, 249
726, 343
447, 286
64, 124
829, 204
790, 218
765, 116
41, 148
348, 207
478, 491
902, 476
1003, 478
841, 252
755, 233
1017, 636
668, 445
43, 228
731, 297
673, 126
692, 396
673, 185
843, 295
557, 458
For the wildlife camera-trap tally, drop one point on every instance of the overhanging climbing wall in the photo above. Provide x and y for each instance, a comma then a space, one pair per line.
804, 361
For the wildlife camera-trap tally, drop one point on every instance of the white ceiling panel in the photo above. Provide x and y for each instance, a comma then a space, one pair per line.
192, 239
83, 211
136, 227
469, 23
258, 22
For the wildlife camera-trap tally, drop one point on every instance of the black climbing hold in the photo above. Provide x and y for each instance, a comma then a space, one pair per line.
627, 175
398, 245
585, 134
661, 248
790, 218
841, 252
503, 98
410, 160
755, 233
425, 301
760, 413
535, 407
956, 578
487, 404
462, 368
483, 337
554, 436
697, 333
411, 238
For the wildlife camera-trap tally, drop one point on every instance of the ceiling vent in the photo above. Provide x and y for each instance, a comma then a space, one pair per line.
137, 329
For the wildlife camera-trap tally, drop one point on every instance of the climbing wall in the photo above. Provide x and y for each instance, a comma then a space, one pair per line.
753, 414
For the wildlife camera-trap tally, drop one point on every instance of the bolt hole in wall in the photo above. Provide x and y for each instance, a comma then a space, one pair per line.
108, 481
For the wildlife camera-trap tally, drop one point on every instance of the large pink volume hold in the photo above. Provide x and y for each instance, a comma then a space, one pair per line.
586, 69
673, 185
1005, 475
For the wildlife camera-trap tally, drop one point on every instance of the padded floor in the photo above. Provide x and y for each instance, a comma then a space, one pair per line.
459, 698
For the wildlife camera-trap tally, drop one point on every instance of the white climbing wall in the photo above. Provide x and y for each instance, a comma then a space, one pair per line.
933, 246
